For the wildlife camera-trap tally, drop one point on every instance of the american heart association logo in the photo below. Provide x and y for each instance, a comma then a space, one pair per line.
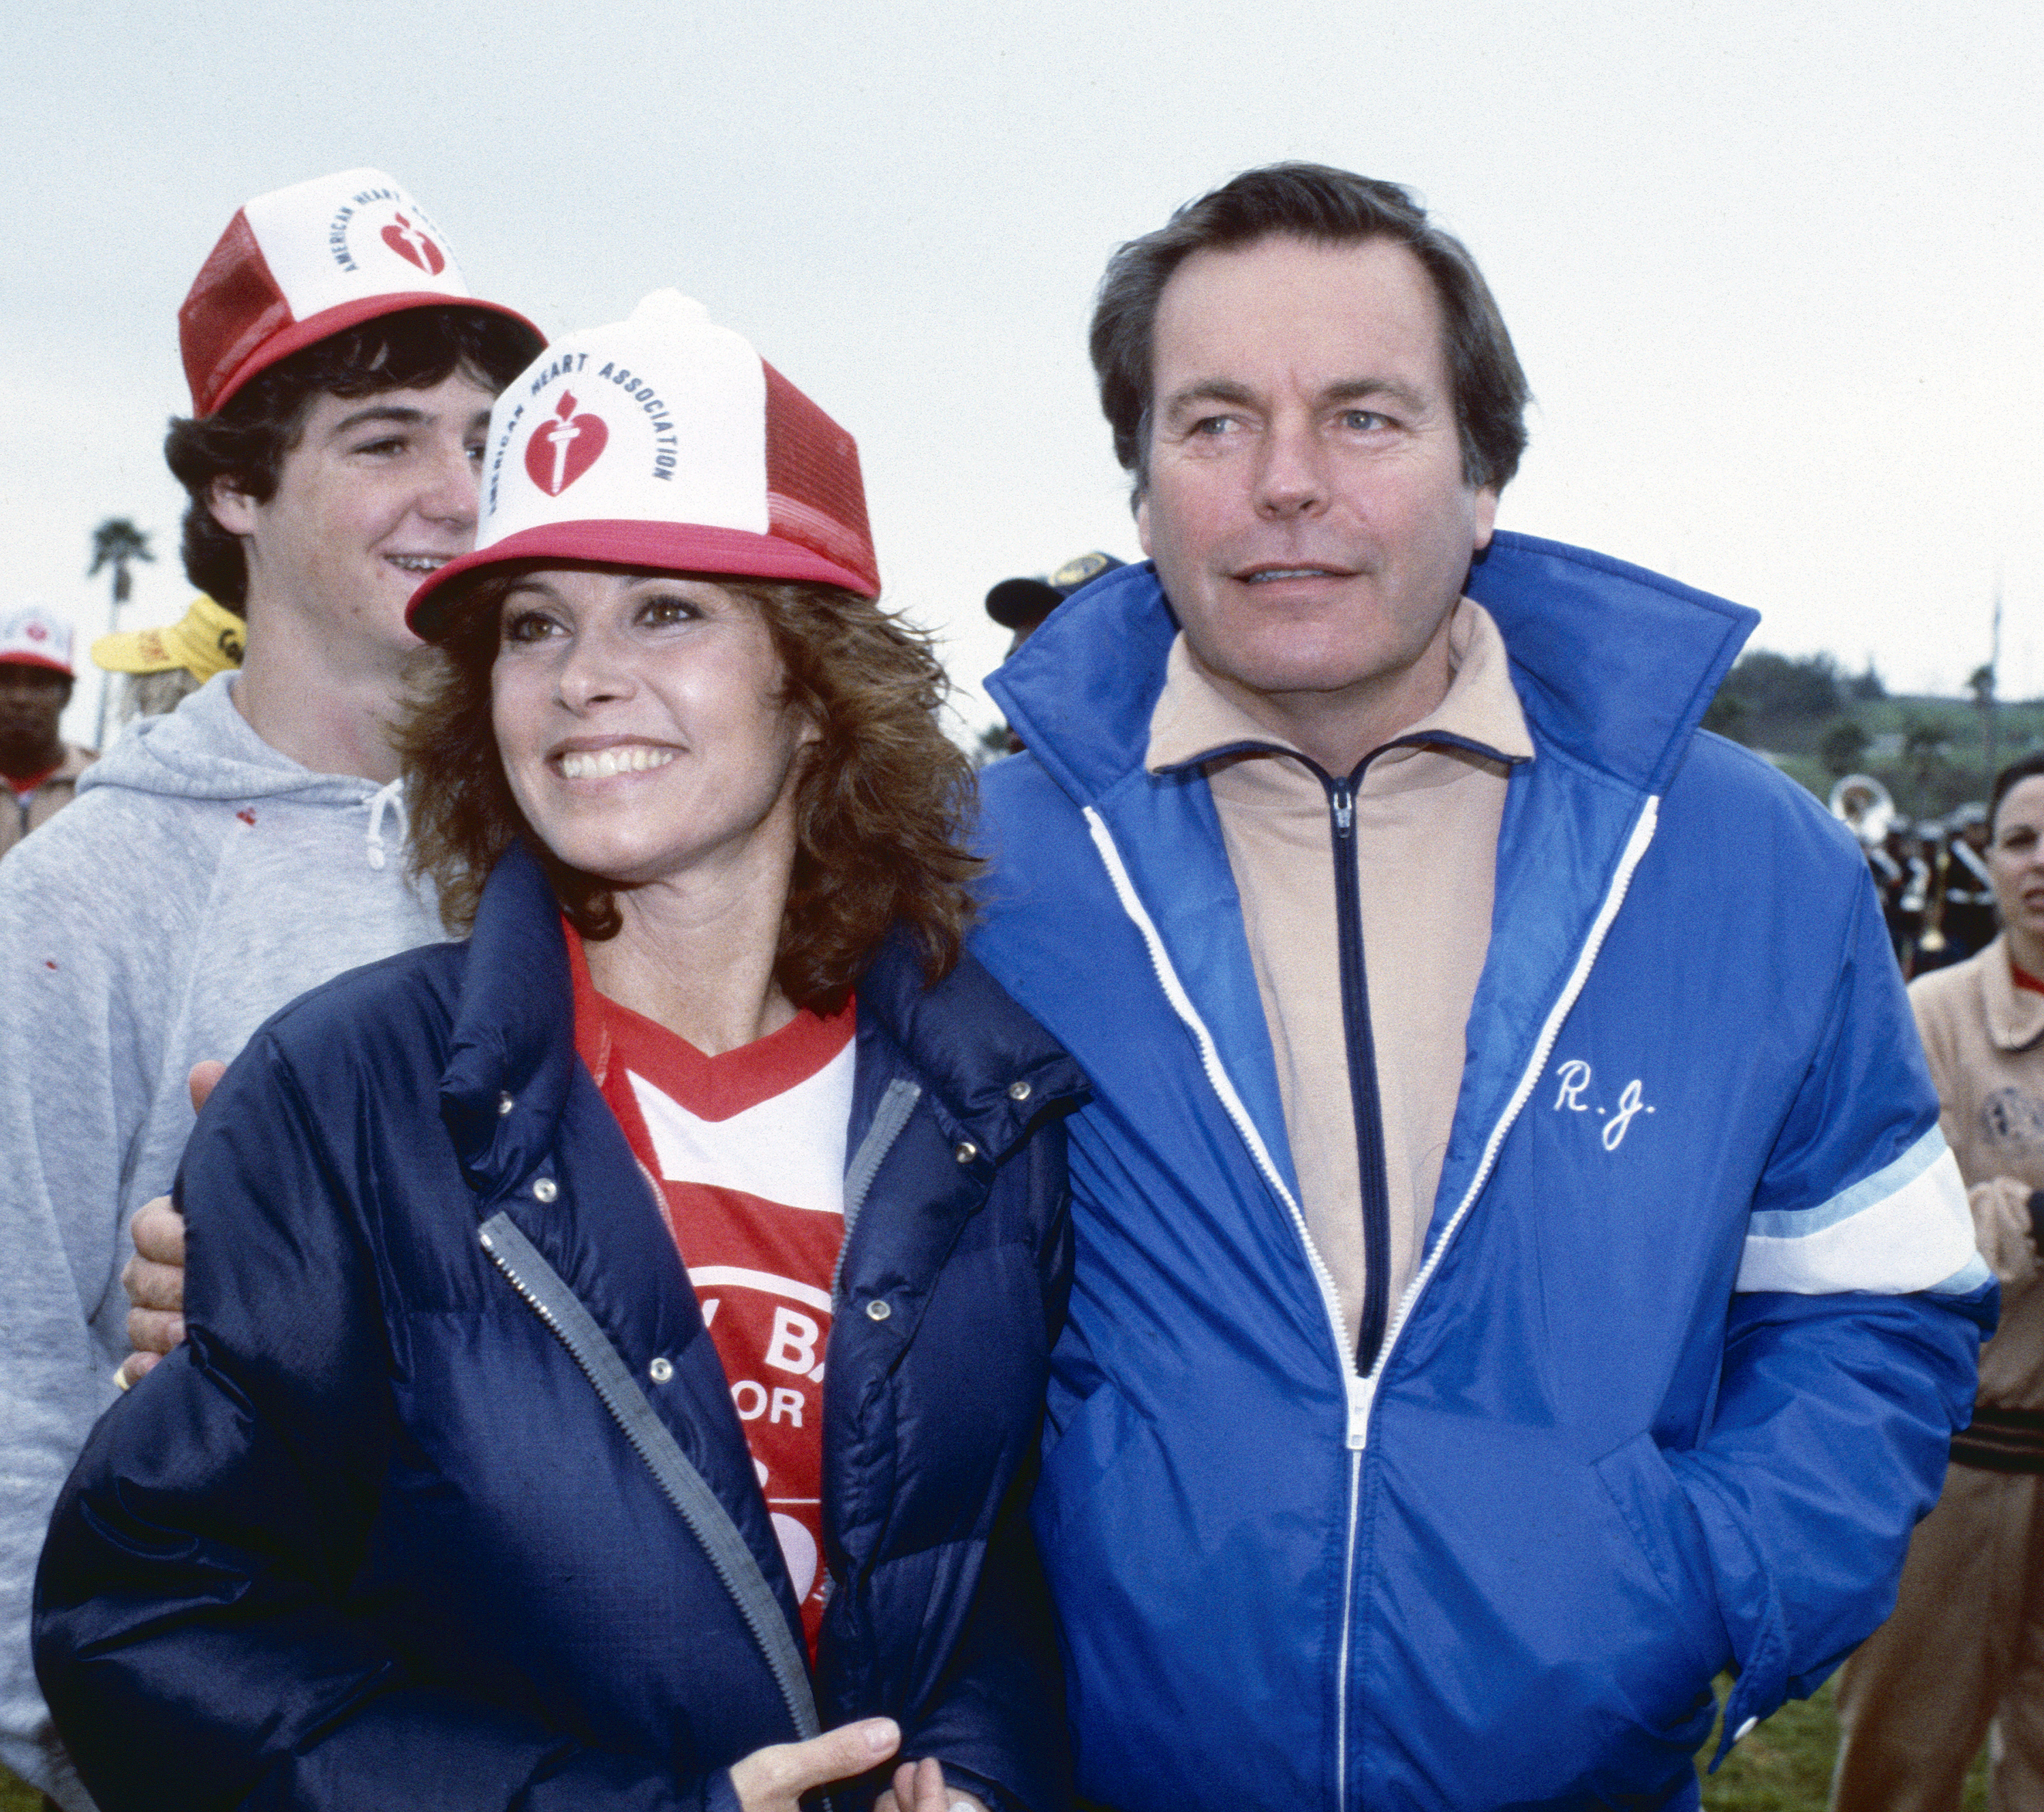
563, 448
413, 247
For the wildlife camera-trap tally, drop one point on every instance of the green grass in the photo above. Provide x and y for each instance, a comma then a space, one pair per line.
1785, 1766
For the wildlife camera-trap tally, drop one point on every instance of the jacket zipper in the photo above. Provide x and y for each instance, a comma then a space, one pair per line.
499, 1232
1365, 1102
896, 1107
1358, 1395
1358, 1038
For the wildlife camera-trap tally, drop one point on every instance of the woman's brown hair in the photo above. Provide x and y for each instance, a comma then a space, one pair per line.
880, 802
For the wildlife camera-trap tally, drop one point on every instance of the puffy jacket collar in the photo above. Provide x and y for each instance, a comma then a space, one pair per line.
1614, 665
514, 1037
992, 1068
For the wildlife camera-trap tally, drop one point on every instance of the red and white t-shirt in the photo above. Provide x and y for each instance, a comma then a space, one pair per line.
747, 1151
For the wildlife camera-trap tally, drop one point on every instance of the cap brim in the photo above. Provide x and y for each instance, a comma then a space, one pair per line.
664, 547
13, 659
330, 321
124, 653
1014, 603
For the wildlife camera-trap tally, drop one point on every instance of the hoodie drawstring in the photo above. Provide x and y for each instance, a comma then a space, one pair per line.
389, 796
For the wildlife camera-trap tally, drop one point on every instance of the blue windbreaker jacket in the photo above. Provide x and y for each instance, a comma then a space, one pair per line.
407, 1521
1699, 1308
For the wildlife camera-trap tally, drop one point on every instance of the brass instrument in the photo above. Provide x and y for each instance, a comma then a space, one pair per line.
1863, 805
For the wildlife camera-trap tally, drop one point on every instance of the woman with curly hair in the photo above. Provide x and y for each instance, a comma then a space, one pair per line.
617, 1341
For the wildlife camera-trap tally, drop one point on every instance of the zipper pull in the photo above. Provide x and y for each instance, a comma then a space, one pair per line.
1361, 1393
1344, 804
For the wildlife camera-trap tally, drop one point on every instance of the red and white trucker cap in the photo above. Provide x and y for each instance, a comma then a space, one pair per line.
33, 638
298, 264
664, 441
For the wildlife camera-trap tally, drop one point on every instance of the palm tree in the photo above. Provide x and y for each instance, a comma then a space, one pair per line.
116, 542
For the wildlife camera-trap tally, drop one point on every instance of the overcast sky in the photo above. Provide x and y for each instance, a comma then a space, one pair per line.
1774, 269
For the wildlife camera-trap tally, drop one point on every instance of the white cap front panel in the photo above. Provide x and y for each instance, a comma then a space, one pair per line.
660, 418
37, 637
337, 238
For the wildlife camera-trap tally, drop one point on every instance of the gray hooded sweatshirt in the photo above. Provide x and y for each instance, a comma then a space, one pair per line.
199, 882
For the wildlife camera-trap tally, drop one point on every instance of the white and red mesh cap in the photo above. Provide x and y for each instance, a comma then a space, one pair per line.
299, 264
33, 638
665, 442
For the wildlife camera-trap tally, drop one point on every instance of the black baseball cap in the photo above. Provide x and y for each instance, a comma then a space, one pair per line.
1016, 604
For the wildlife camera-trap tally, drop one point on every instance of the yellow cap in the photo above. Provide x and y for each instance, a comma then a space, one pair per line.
207, 641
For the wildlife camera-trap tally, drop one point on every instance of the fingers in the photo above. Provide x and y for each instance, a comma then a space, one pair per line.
200, 1080
153, 1333
901, 1795
774, 1779
159, 1233
134, 1368
919, 1786
153, 1286
926, 1792
155, 1281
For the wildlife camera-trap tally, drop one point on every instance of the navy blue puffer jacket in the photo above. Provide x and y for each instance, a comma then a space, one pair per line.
410, 1518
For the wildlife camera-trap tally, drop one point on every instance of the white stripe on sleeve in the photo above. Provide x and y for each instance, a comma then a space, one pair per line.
1906, 1227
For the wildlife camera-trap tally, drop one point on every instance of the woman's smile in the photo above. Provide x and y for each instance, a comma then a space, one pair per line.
601, 764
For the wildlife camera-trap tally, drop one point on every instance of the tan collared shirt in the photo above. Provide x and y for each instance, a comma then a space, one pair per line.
1985, 1039
1426, 844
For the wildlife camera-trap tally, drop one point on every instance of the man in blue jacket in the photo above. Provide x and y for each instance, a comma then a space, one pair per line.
1520, 1275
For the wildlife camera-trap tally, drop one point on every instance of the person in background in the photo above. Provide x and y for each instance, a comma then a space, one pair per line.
491, 1478
163, 667
1022, 604
1965, 1648
224, 858
1970, 892
41, 769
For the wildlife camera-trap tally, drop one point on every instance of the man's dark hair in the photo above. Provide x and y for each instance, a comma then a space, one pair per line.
2029, 768
1312, 201
245, 443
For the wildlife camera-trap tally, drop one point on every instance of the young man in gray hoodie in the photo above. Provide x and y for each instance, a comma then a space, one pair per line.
223, 859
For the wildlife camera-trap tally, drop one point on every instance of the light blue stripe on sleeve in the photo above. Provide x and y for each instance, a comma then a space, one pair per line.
1964, 1282
1907, 1227
1800, 1223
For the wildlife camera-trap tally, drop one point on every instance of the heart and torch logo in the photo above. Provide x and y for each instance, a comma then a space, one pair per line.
413, 246
564, 446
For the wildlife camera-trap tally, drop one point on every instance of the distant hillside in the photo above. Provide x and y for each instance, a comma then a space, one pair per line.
1817, 723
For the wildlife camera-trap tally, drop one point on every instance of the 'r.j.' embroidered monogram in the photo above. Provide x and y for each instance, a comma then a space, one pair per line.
1575, 1079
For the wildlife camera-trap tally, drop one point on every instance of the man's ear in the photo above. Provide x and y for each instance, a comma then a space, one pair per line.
1484, 516
233, 507
1142, 523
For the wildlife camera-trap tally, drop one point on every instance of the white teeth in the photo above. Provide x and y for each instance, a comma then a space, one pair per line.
600, 764
419, 563
1289, 573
